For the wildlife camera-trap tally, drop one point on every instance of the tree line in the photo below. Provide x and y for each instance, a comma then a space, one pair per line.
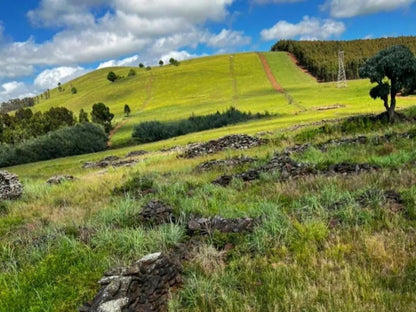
320, 58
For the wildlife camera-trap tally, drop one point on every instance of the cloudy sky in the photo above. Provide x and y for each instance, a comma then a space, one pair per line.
43, 42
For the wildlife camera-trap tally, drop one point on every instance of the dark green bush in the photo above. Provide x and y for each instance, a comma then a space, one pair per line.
79, 139
151, 131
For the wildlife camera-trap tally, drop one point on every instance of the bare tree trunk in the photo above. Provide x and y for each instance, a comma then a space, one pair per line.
392, 107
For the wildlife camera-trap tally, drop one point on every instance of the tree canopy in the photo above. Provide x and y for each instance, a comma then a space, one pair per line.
393, 69
101, 115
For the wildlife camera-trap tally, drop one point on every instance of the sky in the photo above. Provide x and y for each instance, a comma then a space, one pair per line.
43, 42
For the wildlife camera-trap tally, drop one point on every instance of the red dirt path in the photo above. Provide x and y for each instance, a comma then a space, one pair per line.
296, 62
269, 73
110, 135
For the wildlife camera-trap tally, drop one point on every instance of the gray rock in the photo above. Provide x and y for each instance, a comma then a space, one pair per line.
10, 186
58, 179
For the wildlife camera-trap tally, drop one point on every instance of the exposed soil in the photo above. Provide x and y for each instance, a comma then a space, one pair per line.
296, 62
269, 74
112, 132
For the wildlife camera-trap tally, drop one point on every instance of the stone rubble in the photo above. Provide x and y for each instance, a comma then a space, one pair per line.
10, 186
217, 223
136, 153
104, 163
156, 212
58, 179
229, 162
235, 141
144, 286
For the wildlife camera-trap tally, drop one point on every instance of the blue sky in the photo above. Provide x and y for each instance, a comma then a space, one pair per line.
43, 42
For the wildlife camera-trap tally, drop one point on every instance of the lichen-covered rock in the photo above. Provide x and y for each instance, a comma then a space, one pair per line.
136, 153
58, 179
156, 212
10, 186
235, 141
112, 161
144, 286
229, 162
208, 225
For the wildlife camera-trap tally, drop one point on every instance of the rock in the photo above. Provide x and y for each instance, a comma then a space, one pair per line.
110, 158
350, 168
58, 179
230, 162
208, 225
136, 153
10, 186
235, 141
144, 286
156, 212
112, 161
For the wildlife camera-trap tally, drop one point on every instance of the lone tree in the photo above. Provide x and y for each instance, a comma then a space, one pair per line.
161, 63
127, 110
101, 114
141, 65
393, 69
112, 76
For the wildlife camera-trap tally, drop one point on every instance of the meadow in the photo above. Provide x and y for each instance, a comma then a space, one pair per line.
318, 247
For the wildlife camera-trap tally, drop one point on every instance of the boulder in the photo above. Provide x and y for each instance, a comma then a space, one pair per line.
156, 212
10, 186
58, 179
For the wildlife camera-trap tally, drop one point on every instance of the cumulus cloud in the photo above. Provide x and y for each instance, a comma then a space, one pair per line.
274, 1
309, 28
129, 61
14, 89
351, 8
49, 78
227, 38
178, 55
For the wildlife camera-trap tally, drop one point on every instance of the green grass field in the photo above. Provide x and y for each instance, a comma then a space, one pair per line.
317, 249
208, 84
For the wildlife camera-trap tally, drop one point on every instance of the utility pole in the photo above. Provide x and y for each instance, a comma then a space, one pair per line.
342, 79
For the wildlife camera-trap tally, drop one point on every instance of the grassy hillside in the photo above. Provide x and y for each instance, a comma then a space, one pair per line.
205, 85
321, 57
326, 242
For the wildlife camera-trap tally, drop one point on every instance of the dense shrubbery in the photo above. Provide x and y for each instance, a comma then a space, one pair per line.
320, 58
79, 139
151, 131
15, 104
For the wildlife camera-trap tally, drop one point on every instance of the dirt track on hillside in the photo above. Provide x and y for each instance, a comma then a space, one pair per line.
269, 74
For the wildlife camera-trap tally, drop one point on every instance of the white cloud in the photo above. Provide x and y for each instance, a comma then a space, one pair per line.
351, 8
14, 89
228, 38
178, 55
129, 61
309, 28
274, 1
49, 78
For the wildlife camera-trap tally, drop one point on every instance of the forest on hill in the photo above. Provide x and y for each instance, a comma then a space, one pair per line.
320, 58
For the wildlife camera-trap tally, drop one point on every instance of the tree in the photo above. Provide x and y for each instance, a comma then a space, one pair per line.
127, 110
132, 72
172, 61
101, 115
393, 69
111, 76
59, 87
161, 63
57, 117
141, 65
148, 68
74, 90
83, 116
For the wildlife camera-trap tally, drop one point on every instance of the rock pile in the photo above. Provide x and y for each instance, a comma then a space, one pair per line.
58, 179
136, 153
144, 286
235, 141
287, 167
346, 168
208, 225
10, 186
230, 162
156, 212
106, 162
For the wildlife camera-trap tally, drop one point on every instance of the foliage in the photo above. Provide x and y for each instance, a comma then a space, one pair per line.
172, 61
74, 90
111, 76
15, 104
25, 125
151, 131
320, 58
398, 65
141, 65
79, 139
131, 73
148, 68
83, 116
127, 110
101, 114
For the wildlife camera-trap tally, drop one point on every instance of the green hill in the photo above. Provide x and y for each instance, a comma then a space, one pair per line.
205, 85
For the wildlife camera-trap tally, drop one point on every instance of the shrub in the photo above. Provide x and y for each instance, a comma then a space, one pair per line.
112, 76
151, 131
132, 72
79, 139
